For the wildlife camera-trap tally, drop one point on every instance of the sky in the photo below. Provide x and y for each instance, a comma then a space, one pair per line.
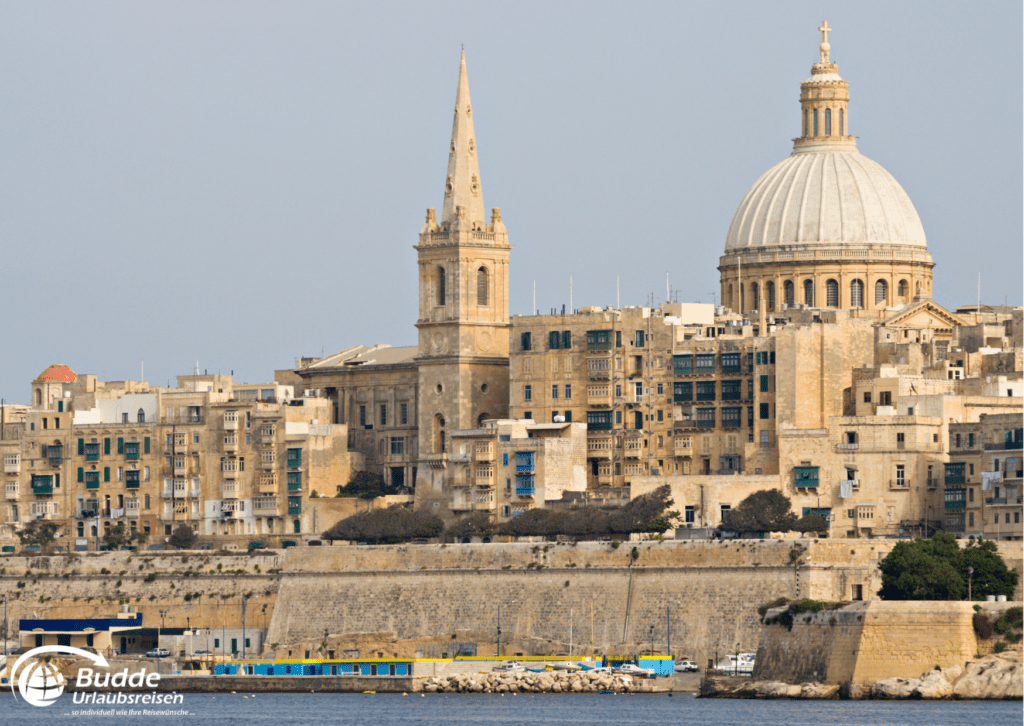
240, 184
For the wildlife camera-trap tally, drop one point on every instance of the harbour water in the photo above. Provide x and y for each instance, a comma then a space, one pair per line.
387, 709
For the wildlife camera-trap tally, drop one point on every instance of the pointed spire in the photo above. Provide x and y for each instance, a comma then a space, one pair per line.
462, 185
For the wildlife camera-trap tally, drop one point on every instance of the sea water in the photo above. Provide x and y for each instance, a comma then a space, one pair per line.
329, 709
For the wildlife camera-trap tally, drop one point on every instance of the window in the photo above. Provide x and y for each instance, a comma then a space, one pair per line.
828, 122
809, 293
705, 390
841, 123
618, 418
525, 341
901, 475
568, 391
689, 515
769, 290
857, 294
901, 289
554, 340
705, 418
481, 286
788, 292
440, 286
618, 338
660, 415
639, 339
397, 445
554, 392
867, 396
383, 414
764, 411
832, 294
881, 292
403, 413
815, 122
599, 340
732, 390
527, 393
755, 293
726, 508
705, 363
567, 339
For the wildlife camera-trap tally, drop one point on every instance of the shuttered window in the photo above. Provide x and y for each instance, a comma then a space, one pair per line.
481, 286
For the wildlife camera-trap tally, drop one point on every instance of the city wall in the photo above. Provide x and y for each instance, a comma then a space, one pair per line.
867, 642
396, 599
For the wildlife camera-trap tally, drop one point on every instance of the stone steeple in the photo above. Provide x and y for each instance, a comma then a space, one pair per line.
462, 185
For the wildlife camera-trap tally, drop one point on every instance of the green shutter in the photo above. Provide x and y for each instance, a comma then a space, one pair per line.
81, 473
553, 340
56, 481
81, 447
145, 445
106, 473
120, 445
567, 339
106, 446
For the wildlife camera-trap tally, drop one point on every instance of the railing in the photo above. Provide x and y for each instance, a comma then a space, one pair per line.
42, 488
847, 446
133, 484
956, 504
932, 483
92, 457
708, 424
599, 425
731, 423
1004, 446
295, 486
705, 395
897, 484
806, 483
459, 458
294, 509
682, 397
737, 368
954, 480
12, 468
524, 468
995, 500
524, 491
294, 463
732, 395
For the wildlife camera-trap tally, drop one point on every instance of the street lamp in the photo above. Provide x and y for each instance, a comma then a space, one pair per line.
507, 602
668, 625
163, 614
191, 665
970, 575
652, 640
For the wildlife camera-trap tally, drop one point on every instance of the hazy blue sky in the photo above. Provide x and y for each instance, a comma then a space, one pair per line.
242, 182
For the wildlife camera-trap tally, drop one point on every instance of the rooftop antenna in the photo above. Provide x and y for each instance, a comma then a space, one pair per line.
668, 290
618, 305
535, 310
979, 293
570, 293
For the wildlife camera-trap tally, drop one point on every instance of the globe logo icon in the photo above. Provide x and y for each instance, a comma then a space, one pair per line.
40, 683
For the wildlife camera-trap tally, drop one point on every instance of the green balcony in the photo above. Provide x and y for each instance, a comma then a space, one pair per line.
42, 485
682, 397
295, 510
295, 486
805, 477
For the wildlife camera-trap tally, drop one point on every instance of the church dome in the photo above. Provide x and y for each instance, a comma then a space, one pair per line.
57, 373
825, 195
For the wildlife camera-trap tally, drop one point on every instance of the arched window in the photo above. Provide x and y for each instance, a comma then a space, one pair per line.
857, 294
440, 445
809, 293
805, 123
481, 286
732, 303
788, 292
39, 397
815, 122
297, 526
881, 292
828, 122
141, 416
440, 286
480, 420
901, 289
842, 127
770, 293
755, 292
832, 294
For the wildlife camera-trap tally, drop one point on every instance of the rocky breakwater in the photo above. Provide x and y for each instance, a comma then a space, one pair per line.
529, 682
994, 677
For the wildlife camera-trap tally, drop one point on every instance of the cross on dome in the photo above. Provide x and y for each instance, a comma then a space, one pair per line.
825, 47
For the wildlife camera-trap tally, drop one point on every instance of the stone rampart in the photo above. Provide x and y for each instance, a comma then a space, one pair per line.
867, 642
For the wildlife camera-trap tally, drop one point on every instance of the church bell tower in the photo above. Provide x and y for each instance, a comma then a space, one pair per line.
463, 285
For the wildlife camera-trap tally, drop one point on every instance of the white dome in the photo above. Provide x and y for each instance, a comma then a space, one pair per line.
830, 195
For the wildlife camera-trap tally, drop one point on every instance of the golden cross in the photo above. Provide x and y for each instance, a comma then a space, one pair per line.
825, 31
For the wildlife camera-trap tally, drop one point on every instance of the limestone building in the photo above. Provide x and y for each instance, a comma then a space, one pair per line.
827, 227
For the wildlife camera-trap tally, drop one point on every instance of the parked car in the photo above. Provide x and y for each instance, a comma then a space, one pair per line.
199, 653
158, 653
686, 666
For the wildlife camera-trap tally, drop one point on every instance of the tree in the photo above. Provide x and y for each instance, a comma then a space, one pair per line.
765, 511
478, 524
991, 576
646, 513
936, 569
387, 526
586, 522
366, 485
810, 523
119, 536
183, 538
38, 533
536, 523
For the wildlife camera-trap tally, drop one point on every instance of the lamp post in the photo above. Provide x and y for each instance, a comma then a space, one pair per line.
652, 640
163, 614
245, 603
668, 626
191, 668
970, 576
507, 602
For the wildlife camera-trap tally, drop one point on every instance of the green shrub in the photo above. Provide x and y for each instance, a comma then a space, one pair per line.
615, 544
982, 626
999, 647
776, 603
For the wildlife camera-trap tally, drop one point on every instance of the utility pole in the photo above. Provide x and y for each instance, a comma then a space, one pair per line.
163, 614
191, 664
245, 602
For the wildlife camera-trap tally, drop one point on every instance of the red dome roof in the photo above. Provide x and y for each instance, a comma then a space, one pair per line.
57, 373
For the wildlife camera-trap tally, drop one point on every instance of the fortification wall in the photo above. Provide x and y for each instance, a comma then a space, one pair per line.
868, 642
